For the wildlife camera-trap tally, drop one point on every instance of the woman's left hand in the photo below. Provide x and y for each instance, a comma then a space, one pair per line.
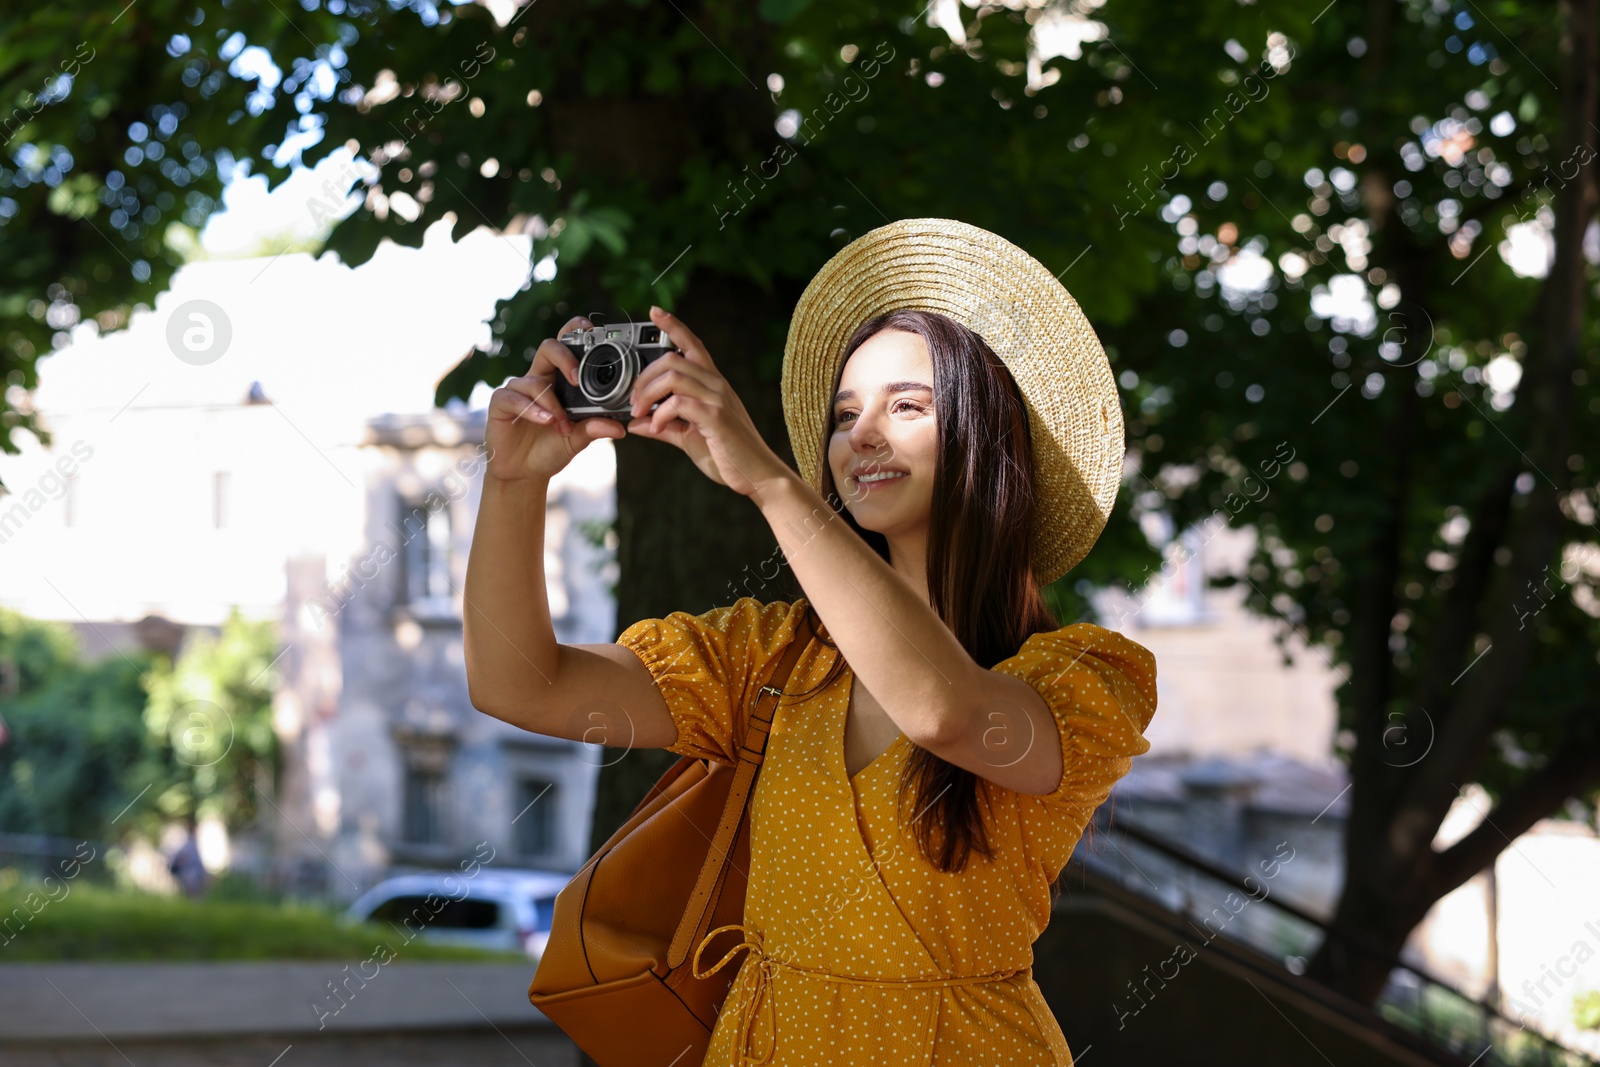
700, 413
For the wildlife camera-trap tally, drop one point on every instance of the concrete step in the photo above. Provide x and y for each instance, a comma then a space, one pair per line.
398, 1013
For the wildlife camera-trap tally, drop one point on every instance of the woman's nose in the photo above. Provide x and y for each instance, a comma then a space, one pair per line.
865, 429
866, 434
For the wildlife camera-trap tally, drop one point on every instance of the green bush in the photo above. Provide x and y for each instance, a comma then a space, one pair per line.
134, 741
76, 728
1586, 1010
232, 886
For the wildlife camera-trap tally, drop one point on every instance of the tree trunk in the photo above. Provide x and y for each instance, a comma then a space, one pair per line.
1393, 875
684, 541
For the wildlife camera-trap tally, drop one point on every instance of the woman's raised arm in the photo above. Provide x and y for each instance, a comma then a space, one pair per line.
516, 670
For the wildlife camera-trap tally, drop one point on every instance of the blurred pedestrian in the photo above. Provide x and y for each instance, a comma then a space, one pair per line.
186, 865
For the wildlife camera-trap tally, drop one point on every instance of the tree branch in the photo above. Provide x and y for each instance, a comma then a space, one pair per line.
1461, 613
1576, 769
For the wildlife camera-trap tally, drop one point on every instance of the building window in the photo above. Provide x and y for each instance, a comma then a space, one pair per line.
221, 485
428, 554
1176, 596
424, 806
535, 821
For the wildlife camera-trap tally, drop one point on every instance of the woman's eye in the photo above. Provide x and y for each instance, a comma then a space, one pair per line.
893, 408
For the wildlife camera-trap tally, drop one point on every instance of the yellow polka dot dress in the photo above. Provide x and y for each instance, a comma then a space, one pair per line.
854, 949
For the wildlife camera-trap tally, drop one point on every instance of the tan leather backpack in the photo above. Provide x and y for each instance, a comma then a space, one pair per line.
616, 974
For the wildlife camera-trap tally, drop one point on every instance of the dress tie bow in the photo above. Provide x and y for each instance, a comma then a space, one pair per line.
757, 978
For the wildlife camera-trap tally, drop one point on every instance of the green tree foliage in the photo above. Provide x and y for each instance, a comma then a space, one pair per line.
132, 740
710, 156
75, 730
212, 748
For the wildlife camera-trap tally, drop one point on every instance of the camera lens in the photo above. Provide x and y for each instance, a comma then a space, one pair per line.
606, 374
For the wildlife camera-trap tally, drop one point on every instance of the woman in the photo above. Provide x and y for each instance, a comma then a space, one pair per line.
906, 831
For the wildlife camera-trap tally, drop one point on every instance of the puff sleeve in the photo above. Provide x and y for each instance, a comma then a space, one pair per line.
709, 666
1101, 689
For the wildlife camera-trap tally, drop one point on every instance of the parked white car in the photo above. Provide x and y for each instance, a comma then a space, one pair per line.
504, 909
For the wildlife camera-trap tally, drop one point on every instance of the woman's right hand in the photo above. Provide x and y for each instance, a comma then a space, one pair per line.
528, 432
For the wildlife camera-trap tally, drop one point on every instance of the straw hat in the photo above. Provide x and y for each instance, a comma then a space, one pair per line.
1026, 316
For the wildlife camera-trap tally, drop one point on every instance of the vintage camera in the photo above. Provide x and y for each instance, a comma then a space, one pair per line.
610, 358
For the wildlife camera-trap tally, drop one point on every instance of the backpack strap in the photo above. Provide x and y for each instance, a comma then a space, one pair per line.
697, 913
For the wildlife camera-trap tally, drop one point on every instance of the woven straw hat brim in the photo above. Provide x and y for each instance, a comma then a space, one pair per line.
1026, 316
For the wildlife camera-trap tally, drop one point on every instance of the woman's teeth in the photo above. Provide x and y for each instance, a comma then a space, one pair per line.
883, 476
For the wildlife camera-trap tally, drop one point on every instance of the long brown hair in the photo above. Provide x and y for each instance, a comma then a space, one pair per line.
980, 570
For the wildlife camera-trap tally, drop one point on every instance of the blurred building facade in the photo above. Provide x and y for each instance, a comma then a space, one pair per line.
163, 518
405, 772
1241, 765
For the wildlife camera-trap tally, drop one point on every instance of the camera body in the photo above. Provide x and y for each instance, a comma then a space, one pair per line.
610, 358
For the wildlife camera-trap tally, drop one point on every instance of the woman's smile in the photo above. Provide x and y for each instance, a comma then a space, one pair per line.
880, 479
